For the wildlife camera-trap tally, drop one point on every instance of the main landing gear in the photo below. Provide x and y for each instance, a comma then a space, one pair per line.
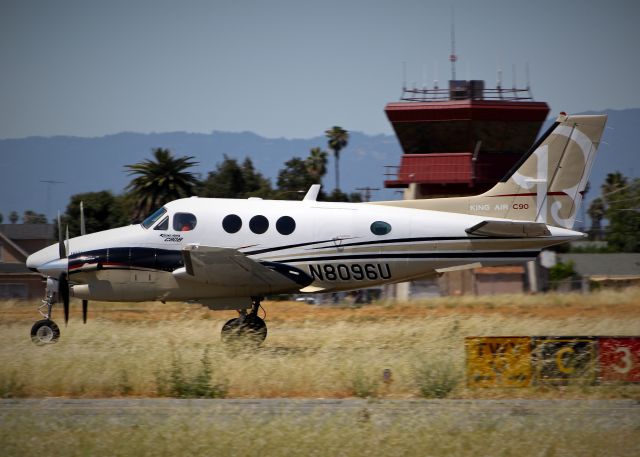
45, 331
247, 327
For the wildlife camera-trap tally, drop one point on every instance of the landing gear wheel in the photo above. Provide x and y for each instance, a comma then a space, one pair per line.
45, 331
250, 328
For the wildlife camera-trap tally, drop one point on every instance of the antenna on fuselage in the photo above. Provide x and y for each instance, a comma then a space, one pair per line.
83, 230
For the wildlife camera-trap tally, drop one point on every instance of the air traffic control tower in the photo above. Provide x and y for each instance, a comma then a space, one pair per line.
456, 141
462, 139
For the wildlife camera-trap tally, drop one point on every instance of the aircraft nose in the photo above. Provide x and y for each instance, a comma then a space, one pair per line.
36, 260
32, 262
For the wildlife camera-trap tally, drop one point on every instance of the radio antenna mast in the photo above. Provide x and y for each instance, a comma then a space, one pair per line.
453, 57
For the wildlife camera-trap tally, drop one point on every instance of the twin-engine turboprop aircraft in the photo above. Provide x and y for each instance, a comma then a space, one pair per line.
228, 254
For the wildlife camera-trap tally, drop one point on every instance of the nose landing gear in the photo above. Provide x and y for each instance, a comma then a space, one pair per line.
248, 327
45, 331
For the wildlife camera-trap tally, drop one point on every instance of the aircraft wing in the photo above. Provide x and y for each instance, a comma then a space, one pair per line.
230, 267
509, 229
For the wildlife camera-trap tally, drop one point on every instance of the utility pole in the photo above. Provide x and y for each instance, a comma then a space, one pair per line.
50, 183
366, 192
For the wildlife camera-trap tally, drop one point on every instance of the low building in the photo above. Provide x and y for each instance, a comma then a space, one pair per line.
608, 270
17, 242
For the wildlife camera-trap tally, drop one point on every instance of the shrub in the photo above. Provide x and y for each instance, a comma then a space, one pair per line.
175, 383
363, 385
435, 380
10, 387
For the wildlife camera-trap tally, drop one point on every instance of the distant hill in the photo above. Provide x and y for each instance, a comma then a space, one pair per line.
94, 164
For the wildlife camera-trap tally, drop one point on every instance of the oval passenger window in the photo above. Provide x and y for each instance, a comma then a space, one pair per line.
258, 224
380, 228
231, 223
285, 225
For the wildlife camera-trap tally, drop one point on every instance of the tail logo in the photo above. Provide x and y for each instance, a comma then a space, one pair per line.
558, 170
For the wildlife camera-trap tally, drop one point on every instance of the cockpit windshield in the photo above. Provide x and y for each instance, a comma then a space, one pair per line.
149, 221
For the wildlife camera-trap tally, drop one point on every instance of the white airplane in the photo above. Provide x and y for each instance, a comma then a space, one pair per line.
230, 253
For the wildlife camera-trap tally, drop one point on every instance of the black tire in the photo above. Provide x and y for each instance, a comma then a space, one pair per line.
255, 328
45, 331
252, 330
231, 331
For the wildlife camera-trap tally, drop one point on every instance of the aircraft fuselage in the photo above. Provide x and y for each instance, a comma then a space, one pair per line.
328, 247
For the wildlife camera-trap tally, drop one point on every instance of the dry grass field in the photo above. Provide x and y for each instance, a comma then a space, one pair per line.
154, 349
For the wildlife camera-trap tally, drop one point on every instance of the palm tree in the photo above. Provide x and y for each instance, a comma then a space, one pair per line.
317, 164
160, 181
338, 140
596, 211
613, 183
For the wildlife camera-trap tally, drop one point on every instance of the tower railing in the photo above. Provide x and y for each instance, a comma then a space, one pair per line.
446, 94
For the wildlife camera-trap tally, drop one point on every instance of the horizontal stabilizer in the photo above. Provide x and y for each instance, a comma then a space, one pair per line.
312, 289
509, 229
468, 266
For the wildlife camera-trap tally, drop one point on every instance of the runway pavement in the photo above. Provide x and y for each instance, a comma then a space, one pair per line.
603, 414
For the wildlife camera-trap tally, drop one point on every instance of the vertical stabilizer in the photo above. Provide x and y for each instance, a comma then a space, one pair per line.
546, 185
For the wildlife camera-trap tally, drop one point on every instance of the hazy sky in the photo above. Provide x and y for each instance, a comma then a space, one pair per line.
293, 68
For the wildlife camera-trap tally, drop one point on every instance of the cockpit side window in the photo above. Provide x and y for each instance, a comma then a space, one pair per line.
184, 222
163, 225
157, 214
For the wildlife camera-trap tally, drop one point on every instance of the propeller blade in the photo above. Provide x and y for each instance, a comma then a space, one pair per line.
62, 252
85, 305
63, 292
66, 244
83, 230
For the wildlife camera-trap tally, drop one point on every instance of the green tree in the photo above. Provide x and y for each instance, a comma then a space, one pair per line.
619, 204
338, 196
596, 213
317, 164
160, 181
1, 218
338, 138
31, 217
13, 217
613, 183
622, 206
561, 272
256, 185
102, 211
231, 180
294, 178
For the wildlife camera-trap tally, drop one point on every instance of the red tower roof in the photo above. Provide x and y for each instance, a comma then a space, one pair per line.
461, 146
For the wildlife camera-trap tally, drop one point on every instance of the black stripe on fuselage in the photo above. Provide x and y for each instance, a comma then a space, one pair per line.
129, 258
286, 246
153, 259
383, 241
430, 255
422, 239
